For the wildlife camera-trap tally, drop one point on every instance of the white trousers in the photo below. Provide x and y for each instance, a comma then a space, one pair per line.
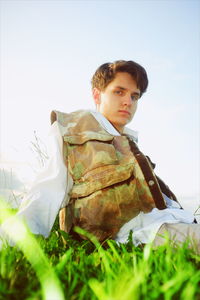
179, 233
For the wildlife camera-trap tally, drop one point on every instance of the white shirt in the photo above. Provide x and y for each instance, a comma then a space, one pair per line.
50, 190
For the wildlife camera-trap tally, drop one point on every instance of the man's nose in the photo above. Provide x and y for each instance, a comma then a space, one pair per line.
127, 100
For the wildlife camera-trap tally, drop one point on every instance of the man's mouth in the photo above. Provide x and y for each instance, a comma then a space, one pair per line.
124, 112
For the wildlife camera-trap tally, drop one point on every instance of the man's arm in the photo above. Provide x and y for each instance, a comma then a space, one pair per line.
49, 191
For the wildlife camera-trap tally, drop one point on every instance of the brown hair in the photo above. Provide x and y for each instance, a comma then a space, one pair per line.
107, 72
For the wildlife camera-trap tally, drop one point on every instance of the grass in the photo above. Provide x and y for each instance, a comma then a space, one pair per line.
88, 270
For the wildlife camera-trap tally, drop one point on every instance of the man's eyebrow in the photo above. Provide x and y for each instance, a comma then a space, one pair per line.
121, 88
124, 89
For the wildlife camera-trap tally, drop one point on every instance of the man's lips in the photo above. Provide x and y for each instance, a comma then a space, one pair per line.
124, 112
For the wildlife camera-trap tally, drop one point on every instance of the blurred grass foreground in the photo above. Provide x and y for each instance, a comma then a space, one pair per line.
39, 268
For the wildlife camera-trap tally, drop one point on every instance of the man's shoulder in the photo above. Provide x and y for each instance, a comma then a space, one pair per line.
64, 118
76, 123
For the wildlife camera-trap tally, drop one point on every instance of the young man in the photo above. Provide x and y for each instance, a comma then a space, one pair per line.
98, 178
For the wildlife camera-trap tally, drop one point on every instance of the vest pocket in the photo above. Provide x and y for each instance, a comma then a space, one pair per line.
89, 151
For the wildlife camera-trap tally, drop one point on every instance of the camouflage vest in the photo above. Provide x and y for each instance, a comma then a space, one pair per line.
110, 187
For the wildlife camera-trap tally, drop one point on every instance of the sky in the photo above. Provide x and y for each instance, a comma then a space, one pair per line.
50, 49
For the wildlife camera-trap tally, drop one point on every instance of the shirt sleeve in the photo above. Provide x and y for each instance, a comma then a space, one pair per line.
49, 191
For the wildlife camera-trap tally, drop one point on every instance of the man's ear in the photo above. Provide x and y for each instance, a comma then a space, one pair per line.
96, 95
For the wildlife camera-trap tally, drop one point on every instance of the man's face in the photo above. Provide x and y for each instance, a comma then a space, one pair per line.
118, 102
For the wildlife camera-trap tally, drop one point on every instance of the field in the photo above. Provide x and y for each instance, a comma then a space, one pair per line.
49, 269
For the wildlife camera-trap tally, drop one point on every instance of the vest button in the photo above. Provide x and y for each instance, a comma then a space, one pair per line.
151, 182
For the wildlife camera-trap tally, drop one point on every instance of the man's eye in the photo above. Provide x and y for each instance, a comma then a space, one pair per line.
118, 92
135, 97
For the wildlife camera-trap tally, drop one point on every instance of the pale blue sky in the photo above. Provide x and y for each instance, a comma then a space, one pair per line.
50, 49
